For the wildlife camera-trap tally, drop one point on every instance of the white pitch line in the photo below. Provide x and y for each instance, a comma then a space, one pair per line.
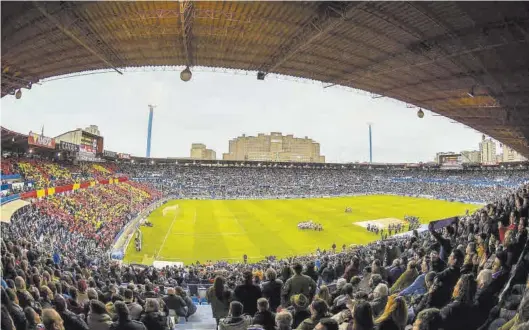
166, 235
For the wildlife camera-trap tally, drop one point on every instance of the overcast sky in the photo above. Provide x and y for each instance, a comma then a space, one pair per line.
214, 107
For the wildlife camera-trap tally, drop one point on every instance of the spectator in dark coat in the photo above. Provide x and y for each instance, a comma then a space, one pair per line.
71, 320
191, 308
459, 313
271, 289
219, 298
135, 309
16, 312
449, 276
352, 270
311, 271
247, 294
153, 319
428, 319
124, 322
175, 303
264, 317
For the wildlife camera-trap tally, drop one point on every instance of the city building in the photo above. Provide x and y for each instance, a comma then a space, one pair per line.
511, 155
487, 148
199, 151
439, 155
471, 156
274, 147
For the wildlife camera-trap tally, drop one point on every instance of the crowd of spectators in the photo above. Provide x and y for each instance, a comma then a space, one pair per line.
271, 182
471, 274
39, 173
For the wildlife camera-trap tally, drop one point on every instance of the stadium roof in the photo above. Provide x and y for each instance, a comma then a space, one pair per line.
465, 60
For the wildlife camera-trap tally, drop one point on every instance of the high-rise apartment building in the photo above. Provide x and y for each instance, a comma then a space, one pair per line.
199, 151
487, 148
274, 147
511, 155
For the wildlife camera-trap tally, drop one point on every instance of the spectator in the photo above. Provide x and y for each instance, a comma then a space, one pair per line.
284, 321
71, 320
98, 318
124, 321
191, 308
299, 309
318, 311
459, 313
264, 316
153, 319
428, 319
324, 295
380, 299
327, 324
299, 283
135, 309
235, 320
247, 294
362, 316
271, 289
174, 304
395, 315
51, 320
33, 319
219, 298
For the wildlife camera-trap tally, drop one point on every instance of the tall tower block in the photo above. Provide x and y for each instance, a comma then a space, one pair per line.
149, 130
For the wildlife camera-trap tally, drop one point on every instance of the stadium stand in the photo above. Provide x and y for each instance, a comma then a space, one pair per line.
55, 254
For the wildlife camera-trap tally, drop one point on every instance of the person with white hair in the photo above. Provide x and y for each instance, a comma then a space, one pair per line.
284, 320
380, 298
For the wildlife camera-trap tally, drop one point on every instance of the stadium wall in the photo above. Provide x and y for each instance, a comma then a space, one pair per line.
123, 238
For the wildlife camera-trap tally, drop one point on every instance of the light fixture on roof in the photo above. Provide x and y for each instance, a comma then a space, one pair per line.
186, 74
420, 113
30, 151
58, 154
18, 94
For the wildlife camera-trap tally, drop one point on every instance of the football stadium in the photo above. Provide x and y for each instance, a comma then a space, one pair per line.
271, 235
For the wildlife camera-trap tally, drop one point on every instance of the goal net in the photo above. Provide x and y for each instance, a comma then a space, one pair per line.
169, 209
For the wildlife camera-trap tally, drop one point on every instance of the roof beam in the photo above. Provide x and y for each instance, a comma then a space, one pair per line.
72, 36
417, 49
329, 16
186, 20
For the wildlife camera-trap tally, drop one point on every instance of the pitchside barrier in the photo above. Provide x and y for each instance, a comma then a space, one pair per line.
124, 237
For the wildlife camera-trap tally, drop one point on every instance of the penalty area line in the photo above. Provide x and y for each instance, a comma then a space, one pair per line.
166, 235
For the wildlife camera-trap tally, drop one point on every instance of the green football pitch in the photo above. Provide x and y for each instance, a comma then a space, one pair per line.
201, 230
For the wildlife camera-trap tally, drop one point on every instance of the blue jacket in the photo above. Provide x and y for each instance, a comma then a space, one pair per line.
418, 287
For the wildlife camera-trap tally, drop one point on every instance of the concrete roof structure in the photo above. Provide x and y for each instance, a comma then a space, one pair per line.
468, 61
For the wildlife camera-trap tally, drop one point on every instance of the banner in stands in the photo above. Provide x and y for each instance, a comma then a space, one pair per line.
41, 140
67, 146
87, 149
110, 154
124, 156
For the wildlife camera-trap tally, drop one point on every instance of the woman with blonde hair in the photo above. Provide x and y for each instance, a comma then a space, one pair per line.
324, 295
395, 315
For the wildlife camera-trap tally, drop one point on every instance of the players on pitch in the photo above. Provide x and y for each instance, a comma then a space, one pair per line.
304, 225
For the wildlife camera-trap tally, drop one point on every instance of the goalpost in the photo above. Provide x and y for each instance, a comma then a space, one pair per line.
168, 209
